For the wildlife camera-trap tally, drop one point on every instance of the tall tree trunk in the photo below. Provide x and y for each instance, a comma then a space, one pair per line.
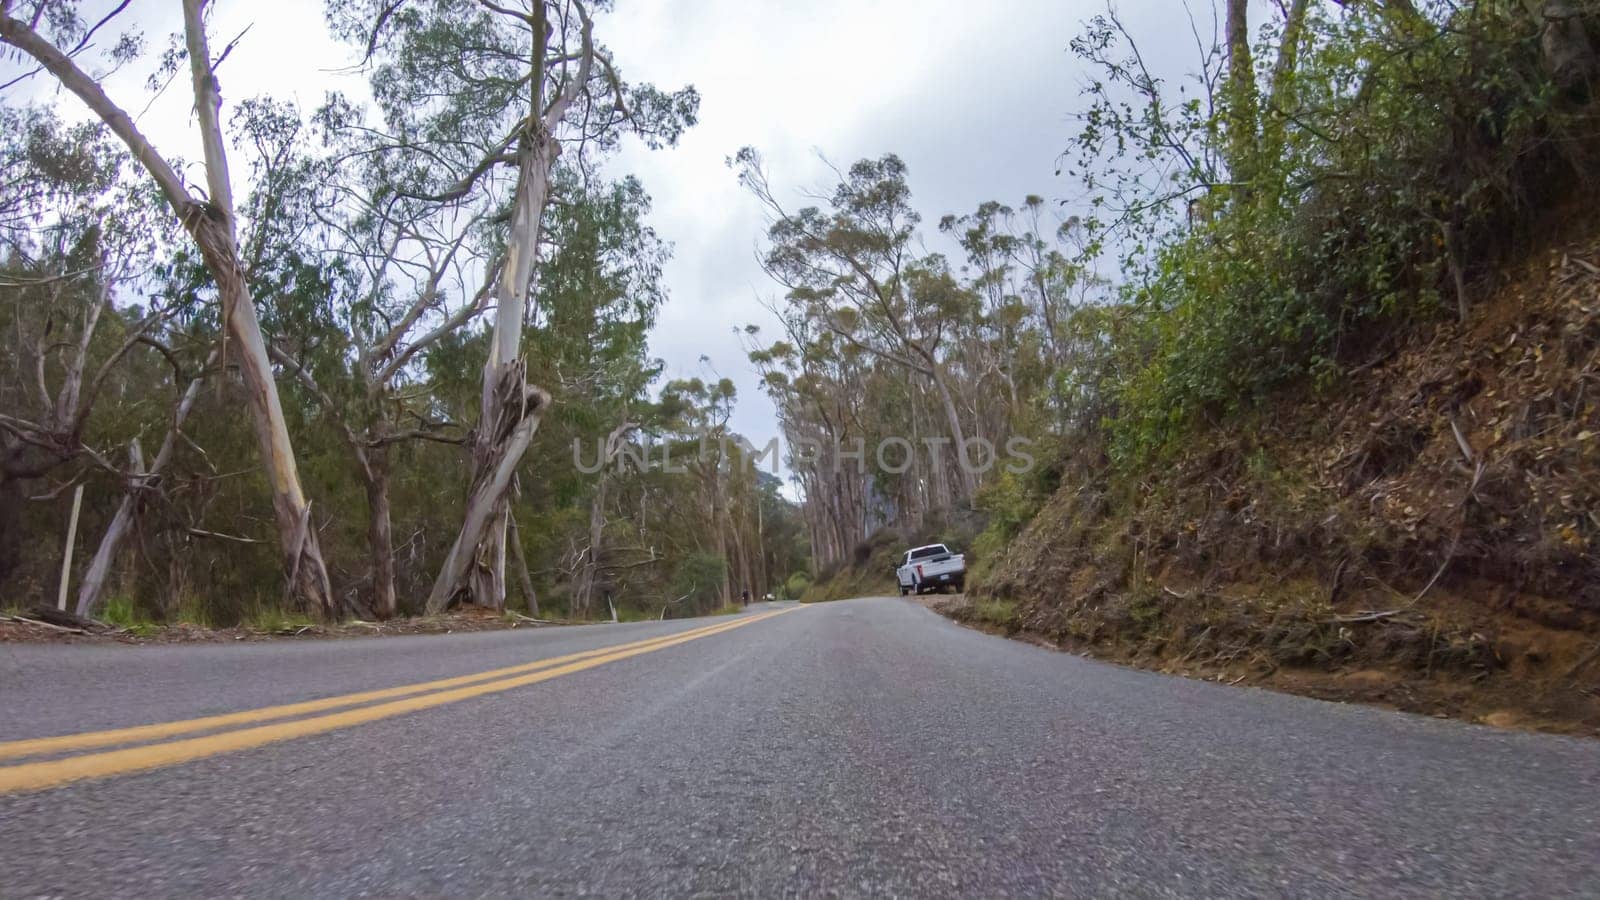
511, 408
476, 561
476, 564
297, 533
965, 476
719, 525
213, 230
763, 568
1283, 95
740, 569
211, 224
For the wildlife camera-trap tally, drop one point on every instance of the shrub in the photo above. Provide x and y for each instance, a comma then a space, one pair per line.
796, 585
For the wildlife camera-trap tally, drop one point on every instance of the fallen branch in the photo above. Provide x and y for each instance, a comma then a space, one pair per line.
42, 624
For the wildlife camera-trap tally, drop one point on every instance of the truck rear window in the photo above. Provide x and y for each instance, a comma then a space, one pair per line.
925, 552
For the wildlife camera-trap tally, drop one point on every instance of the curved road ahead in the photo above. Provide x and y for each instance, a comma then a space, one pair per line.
867, 747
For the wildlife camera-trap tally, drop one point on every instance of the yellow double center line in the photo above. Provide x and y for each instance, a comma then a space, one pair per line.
424, 695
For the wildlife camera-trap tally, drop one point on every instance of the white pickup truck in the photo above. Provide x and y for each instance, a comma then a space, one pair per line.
929, 569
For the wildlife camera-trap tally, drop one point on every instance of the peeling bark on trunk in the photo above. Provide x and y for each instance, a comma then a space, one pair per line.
212, 226
475, 566
504, 383
476, 561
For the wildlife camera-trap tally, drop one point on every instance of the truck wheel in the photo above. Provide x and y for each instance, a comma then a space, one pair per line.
904, 591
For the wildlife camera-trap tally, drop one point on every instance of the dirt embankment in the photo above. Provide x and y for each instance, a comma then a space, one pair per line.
1425, 535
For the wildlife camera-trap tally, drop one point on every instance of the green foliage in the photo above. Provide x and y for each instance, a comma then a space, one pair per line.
698, 578
900, 371
795, 586
1010, 503
1402, 150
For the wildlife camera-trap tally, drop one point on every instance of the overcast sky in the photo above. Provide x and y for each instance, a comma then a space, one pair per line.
976, 97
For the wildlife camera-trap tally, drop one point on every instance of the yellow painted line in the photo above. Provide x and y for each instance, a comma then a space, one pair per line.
142, 733
53, 773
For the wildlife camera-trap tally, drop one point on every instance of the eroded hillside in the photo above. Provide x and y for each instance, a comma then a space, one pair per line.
1425, 535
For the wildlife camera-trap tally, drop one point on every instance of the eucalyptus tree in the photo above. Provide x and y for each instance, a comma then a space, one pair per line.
853, 269
57, 38
479, 101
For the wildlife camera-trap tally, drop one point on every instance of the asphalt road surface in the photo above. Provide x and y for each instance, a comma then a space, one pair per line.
867, 747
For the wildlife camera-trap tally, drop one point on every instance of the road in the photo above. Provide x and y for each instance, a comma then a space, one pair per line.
866, 747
